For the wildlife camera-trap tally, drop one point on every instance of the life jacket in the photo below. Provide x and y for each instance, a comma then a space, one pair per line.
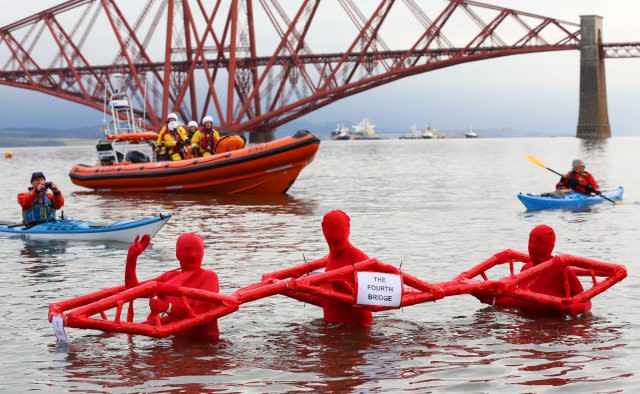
177, 138
41, 211
208, 141
583, 178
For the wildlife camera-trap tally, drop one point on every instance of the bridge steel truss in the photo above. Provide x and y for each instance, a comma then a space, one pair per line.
177, 55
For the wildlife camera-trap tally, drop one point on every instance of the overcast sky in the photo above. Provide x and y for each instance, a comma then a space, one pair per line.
526, 92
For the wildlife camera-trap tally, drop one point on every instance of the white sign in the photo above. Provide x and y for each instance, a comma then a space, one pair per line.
376, 288
119, 103
102, 154
58, 328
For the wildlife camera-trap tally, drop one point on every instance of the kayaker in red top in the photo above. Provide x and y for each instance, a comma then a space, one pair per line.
578, 180
336, 228
38, 206
189, 251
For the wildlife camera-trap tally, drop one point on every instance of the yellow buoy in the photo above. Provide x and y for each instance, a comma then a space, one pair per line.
8, 154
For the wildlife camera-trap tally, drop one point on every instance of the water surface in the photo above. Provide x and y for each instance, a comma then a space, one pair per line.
437, 207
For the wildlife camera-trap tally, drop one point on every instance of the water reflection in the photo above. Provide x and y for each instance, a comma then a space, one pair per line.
439, 207
119, 361
594, 145
173, 202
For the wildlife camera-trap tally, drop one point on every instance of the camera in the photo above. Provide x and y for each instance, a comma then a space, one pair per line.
47, 185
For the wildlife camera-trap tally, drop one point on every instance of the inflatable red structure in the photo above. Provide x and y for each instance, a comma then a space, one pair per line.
347, 288
525, 290
305, 284
91, 311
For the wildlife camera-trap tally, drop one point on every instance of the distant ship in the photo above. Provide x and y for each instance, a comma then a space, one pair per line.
429, 133
415, 134
471, 133
341, 133
364, 130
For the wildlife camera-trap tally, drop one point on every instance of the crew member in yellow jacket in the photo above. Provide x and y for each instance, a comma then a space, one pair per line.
173, 142
161, 150
205, 140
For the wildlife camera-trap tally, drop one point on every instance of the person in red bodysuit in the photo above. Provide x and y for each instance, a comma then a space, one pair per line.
336, 227
542, 240
189, 251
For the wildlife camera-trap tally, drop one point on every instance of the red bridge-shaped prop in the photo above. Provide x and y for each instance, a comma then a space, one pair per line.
300, 282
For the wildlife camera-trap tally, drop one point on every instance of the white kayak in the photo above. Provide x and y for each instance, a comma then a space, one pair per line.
77, 230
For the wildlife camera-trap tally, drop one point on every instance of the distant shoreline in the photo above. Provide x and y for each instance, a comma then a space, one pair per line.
44, 142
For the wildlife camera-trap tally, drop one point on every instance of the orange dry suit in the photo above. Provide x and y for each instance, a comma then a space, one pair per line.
39, 207
189, 251
336, 228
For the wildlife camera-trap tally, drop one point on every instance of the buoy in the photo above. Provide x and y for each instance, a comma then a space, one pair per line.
8, 154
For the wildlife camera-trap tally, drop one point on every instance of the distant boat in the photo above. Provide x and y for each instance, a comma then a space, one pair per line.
429, 133
340, 133
364, 130
415, 134
471, 133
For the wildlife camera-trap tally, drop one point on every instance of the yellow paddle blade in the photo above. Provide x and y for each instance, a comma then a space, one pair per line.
535, 161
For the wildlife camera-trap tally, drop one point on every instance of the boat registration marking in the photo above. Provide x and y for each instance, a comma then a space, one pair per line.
174, 187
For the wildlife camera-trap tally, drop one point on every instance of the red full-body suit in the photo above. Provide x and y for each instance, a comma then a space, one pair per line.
336, 228
542, 240
189, 251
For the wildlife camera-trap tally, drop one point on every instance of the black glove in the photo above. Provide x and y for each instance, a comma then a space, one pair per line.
573, 183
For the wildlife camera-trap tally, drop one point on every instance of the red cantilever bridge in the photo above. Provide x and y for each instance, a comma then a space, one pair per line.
257, 65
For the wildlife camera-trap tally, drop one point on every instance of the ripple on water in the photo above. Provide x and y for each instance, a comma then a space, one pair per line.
412, 202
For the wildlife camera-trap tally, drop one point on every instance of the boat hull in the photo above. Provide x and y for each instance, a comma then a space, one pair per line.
573, 200
266, 168
74, 230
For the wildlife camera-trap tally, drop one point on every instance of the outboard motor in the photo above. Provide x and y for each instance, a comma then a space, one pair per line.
135, 156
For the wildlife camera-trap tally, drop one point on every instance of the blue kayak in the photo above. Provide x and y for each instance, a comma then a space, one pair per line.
77, 230
536, 202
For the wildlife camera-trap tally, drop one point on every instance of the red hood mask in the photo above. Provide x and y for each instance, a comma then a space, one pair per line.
335, 226
541, 243
190, 251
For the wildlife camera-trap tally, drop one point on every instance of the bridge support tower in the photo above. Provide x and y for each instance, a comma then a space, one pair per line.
593, 119
262, 136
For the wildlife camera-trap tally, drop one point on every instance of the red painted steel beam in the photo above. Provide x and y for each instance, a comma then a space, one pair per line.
66, 6
326, 77
368, 83
167, 60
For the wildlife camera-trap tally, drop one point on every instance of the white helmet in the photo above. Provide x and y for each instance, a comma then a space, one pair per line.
172, 116
173, 126
207, 119
193, 123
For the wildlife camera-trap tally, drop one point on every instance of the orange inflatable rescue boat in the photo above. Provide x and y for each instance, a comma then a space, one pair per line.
126, 160
271, 167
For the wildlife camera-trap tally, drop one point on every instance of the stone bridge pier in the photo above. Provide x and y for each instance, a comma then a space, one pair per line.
593, 118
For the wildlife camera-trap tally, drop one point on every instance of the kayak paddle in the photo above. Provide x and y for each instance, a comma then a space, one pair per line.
540, 164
